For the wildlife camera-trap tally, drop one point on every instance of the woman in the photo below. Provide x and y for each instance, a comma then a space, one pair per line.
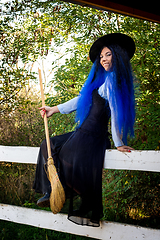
79, 155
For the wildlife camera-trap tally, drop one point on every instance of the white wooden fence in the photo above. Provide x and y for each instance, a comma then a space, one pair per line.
136, 160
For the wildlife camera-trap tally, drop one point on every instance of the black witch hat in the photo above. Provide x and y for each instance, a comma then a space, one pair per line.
120, 39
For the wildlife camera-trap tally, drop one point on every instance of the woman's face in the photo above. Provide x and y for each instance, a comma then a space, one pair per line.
106, 58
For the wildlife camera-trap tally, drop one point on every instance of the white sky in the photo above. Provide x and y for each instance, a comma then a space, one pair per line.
47, 62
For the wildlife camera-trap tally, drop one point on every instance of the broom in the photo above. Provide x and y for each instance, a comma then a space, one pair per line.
57, 196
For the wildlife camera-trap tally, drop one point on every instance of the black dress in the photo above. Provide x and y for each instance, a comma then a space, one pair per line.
79, 158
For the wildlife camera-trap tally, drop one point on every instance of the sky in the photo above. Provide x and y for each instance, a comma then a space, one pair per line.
47, 62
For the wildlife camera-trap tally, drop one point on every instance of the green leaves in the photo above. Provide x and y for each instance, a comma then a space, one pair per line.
34, 30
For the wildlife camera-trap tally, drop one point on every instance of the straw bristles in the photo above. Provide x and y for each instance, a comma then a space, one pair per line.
57, 196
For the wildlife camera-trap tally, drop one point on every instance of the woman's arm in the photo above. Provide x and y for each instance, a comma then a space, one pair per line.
48, 110
125, 148
69, 106
63, 108
117, 139
116, 135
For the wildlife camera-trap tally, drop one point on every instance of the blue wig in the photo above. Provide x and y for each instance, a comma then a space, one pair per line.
95, 79
120, 91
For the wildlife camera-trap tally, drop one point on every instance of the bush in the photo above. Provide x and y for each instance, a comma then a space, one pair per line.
132, 197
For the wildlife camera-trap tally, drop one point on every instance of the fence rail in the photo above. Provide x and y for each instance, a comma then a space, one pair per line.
136, 160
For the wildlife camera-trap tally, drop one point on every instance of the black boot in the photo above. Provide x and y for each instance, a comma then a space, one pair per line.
44, 201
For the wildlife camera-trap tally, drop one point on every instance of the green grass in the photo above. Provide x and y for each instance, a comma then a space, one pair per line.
14, 231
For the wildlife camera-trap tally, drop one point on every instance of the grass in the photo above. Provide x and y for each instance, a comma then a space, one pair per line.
16, 189
14, 231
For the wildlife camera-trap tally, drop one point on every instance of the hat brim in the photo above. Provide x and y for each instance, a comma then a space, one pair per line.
120, 39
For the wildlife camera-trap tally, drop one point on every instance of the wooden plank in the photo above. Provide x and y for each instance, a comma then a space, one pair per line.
119, 8
19, 154
136, 160
59, 222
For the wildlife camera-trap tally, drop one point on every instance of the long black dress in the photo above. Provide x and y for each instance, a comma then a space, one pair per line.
79, 158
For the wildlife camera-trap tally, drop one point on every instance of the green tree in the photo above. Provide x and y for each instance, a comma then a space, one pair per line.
146, 65
22, 126
44, 26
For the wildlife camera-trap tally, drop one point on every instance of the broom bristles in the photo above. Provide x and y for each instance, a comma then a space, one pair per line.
57, 196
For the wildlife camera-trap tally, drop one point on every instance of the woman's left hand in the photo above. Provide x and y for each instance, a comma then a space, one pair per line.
125, 148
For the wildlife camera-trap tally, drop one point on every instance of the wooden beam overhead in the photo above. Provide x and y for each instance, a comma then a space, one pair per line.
129, 9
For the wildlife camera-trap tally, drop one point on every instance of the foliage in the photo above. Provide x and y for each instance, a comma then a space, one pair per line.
10, 230
16, 183
32, 29
22, 124
29, 33
123, 200
146, 64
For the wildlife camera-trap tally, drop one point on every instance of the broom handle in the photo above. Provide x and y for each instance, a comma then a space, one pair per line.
45, 116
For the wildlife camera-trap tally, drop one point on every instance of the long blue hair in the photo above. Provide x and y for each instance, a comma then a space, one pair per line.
95, 79
120, 91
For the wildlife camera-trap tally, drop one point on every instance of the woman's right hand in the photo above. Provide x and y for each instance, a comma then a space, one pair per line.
48, 110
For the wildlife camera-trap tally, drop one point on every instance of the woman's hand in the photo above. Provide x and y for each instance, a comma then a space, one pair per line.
48, 110
125, 148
